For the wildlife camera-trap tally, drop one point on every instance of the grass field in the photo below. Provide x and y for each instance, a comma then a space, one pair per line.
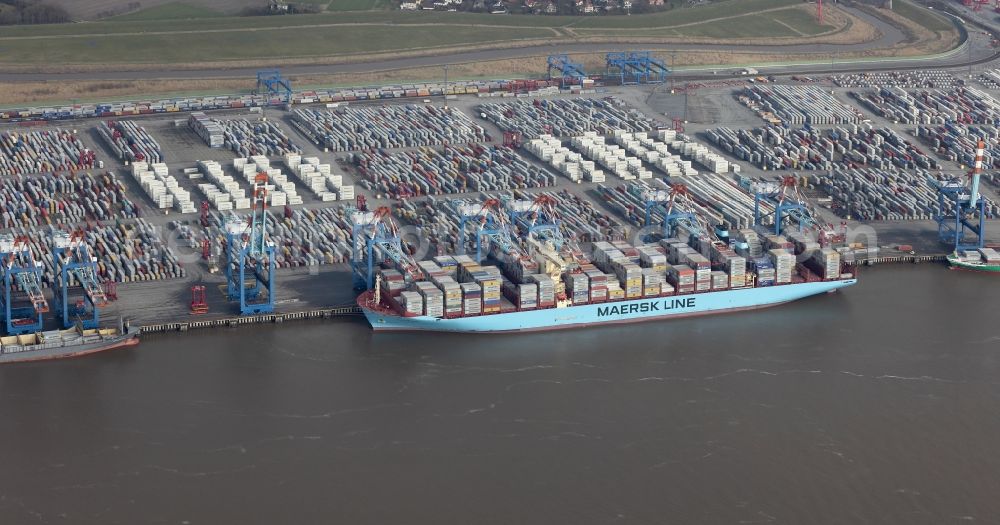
179, 48
141, 39
356, 5
923, 16
783, 23
674, 17
171, 11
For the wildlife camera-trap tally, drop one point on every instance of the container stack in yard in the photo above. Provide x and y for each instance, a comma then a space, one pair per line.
305, 237
778, 148
125, 252
797, 105
565, 117
990, 79
161, 187
927, 78
41, 200
456, 169
208, 129
319, 178
130, 142
43, 151
717, 199
958, 143
260, 137
396, 126
436, 220
570, 163
965, 105
874, 194
222, 190
280, 190
240, 101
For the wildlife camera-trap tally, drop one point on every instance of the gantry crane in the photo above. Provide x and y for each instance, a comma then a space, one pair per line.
540, 230
75, 267
677, 209
958, 208
374, 239
488, 220
271, 83
635, 67
790, 207
23, 299
536, 219
249, 250
568, 70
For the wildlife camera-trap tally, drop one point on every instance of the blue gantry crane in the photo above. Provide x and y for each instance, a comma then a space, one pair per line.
250, 256
271, 83
537, 219
636, 67
375, 239
789, 205
75, 278
23, 299
568, 70
489, 222
961, 213
676, 209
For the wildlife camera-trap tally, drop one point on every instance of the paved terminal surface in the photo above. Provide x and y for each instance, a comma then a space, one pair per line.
710, 104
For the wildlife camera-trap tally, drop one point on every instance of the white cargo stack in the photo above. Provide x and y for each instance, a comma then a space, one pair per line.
412, 302
784, 263
209, 130
224, 193
551, 151
472, 299
433, 298
162, 188
829, 262
737, 268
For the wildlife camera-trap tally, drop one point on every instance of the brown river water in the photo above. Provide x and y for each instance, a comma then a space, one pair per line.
879, 404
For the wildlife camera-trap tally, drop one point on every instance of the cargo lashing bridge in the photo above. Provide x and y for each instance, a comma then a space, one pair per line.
636, 67
74, 263
249, 250
22, 275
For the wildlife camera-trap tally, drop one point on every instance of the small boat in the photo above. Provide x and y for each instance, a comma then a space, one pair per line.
59, 344
980, 260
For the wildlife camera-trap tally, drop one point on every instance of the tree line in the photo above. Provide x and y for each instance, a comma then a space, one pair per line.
14, 12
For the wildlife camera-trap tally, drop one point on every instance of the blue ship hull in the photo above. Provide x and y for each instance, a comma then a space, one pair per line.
635, 310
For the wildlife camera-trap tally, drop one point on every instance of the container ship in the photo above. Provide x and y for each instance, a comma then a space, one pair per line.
980, 260
547, 289
59, 344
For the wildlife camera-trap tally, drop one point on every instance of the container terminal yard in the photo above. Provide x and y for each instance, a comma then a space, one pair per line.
174, 198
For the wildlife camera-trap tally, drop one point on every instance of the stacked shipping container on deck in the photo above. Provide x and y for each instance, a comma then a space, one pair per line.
454, 286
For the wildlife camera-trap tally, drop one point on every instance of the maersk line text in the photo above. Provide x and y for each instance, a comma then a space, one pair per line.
649, 306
